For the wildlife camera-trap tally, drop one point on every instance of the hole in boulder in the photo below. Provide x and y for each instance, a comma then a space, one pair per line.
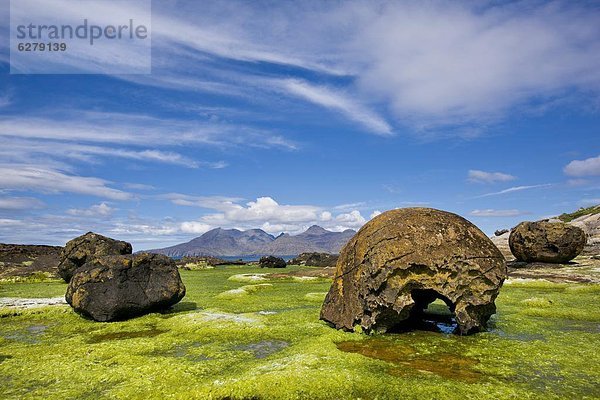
431, 312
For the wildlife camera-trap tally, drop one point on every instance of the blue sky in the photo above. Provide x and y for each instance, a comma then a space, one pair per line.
279, 115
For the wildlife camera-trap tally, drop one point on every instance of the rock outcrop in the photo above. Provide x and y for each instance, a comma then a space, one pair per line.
404, 259
271, 262
315, 259
501, 243
85, 248
29, 260
545, 241
591, 226
119, 287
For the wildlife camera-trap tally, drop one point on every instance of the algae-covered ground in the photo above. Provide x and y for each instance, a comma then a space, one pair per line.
239, 335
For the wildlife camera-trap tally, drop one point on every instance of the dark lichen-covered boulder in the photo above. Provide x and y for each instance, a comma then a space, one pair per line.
271, 262
119, 287
404, 259
85, 248
315, 259
545, 241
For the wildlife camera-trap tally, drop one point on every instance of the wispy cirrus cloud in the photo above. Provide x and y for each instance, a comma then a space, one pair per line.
498, 213
478, 176
43, 179
450, 64
515, 189
24, 150
340, 102
20, 203
135, 129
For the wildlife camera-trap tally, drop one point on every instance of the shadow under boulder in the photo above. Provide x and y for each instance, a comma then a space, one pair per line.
85, 248
405, 259
120, 287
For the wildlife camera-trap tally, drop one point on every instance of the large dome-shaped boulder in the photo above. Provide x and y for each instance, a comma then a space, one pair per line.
404, 259
119, 287
85, 248
545, 241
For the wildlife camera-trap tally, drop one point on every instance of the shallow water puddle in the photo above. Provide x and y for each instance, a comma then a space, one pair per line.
30, 334
264, 348
408, 360
147, 333
567, 325
182, 351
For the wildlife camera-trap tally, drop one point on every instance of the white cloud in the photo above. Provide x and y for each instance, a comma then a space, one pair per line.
344, 103
267, 209
97, 210
325, 216
349, 206
22, 150
375, 213
194, 227
431, 63
20, 203
220, 203
138, 130
587, 167
46, 180
457, 62
352, 219
478, 176
265, 213
515, 189
442, 63
497, 213
138, 186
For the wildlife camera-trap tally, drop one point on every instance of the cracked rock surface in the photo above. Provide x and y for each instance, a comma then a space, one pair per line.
86, 247
545, 241
119, 287
404, 259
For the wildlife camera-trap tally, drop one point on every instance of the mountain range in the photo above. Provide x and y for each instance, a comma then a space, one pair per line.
233, 242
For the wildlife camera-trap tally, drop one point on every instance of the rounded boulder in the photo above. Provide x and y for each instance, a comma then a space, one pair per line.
120, 287
545, 241
85, 248
403, 260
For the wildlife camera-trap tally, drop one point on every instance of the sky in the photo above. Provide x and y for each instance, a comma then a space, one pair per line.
281, 115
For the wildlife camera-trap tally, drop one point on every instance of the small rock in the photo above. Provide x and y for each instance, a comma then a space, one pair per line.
119, 287
271, 262
545, 241
85, 248
500, 232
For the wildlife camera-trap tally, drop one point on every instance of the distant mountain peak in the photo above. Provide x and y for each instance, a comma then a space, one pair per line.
221, 242
316, 230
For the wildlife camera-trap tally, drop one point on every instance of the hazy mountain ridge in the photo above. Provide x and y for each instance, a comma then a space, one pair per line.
233, 242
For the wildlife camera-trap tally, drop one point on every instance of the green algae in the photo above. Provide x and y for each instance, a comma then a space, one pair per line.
270, 344
122, 335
